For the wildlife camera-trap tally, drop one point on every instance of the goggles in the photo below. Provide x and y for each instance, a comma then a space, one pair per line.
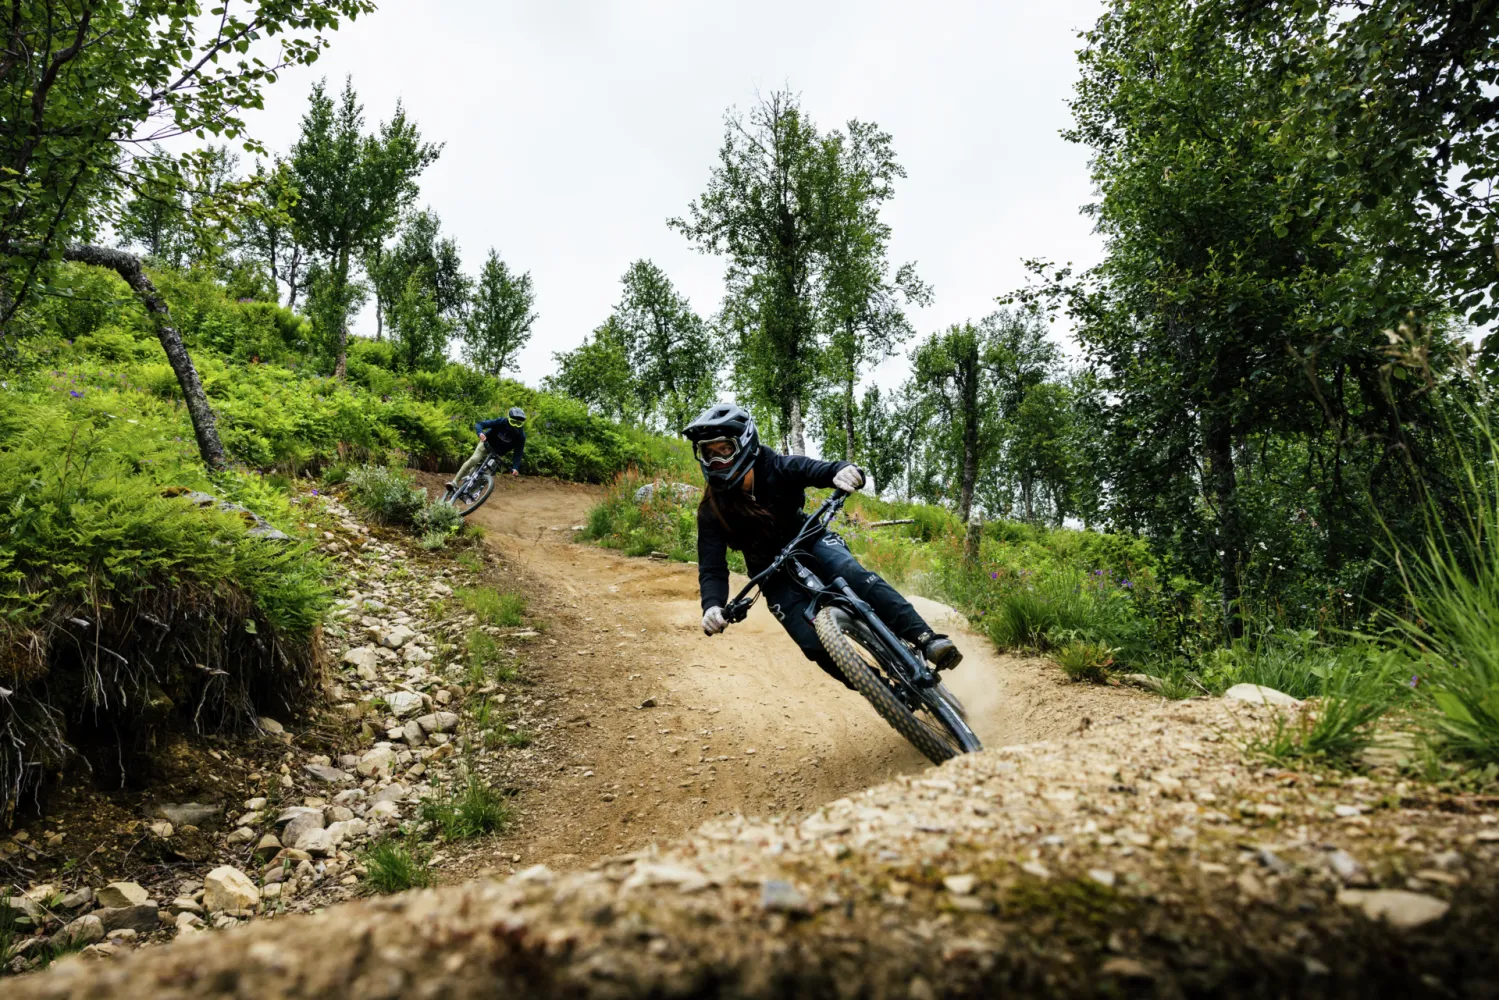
516, 421
719, 451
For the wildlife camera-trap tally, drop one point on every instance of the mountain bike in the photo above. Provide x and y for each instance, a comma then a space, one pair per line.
888, 671
475, 488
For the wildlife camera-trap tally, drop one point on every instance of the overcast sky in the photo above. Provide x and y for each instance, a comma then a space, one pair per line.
574, 128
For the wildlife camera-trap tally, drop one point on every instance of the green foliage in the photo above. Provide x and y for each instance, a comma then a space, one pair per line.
462, 812
386, 495
667, 522
486, 658
436, 523
597, 373
1085, 661
1340, 726
393, 866
493, 607
499, 319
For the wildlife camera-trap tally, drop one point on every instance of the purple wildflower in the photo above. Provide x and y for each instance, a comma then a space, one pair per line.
1415, 680
994, 576
75, 394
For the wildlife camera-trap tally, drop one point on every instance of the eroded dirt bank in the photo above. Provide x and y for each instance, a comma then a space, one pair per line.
1142, 858
736, 724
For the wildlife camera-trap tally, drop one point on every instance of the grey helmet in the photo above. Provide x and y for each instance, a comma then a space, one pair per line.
516, 417
725, 444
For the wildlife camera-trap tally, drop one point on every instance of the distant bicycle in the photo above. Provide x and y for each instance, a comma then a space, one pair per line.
469, 493
475, 479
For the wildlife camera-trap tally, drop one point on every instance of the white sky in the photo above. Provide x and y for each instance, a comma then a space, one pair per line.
575, 128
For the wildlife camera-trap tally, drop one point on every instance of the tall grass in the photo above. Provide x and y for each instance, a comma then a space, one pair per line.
1337, 728
494, 607
1451, 628
392, 866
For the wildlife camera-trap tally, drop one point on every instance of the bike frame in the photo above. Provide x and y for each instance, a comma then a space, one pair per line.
490, 464
839, 594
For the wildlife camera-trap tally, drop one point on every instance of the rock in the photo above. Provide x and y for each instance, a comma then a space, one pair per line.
348, 761
349, 796
331, 775
1396, 907
1127, 969
289, 856
960, 885
649, 702
386, 811
1145, 681
397, 637
393, 792
76, 900
318, 842
84, 931
337, 814
1102, 876
121, 894
268, 846
780, 896
184, 905
680, 492
1255, 694
413, 733
162, 830
251, 818
189, 923
21, 908
438, 722
403, 703
364, 661
348, 829
228, 888
190, 813
270, 725
243, 835
1342, 864
413, 653
142, 917
377, 762
649, 873
1036, 869
124, 935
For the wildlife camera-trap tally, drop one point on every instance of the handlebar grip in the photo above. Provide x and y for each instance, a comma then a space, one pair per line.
735, 611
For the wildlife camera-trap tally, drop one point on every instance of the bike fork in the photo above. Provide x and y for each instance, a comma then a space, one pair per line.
919, 672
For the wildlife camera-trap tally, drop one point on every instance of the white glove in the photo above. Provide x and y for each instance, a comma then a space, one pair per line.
848, 479
713, 621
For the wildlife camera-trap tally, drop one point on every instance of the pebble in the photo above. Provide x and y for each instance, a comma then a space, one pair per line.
121, 894
228, 888
1397, 907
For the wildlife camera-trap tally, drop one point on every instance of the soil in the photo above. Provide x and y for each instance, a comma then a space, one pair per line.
740, 723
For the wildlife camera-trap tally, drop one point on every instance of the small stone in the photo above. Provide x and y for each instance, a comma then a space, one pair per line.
121, 894
1035, 868
1342, 864
270, 725
349, 829
189, 813
243, 835
376, 762
960, 885
228, 888
649, 702
386, 811
161, 831
780, 896
318, 842
403, 703
1102, 876
1346, 811
84, 931
1127, 969
142, 917
268, 846
1396, 907
1272, 861
363, 660
1256, 694
189, 923
331, 775
393, 792
184, 905
397, 637
413, 733
438, 722
124, 935
76, 900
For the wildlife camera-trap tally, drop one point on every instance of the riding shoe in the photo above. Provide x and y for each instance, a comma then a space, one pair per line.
939, 650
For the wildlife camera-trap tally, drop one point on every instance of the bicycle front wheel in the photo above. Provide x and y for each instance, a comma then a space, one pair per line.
472, 493
931, 720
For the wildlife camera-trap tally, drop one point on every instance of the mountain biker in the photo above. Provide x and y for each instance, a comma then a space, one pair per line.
497, 436
753, 503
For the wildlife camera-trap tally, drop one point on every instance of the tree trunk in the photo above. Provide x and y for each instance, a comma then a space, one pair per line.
971, 542
291, 277
1222, 482
128, 267
849, 441
341, 366
970, 466
796, 441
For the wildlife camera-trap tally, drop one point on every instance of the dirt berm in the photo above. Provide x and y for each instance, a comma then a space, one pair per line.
1140, 857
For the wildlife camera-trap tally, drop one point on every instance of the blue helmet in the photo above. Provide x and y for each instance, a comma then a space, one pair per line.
725, 442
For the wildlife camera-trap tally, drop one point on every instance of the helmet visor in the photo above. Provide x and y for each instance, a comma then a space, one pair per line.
717, 452
516, 421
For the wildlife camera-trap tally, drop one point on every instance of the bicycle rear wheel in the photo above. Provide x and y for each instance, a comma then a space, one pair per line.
931, 719
474, 492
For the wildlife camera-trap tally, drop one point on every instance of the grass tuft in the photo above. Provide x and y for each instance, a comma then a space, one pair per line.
392, 866
493, 607
1085, 661
471, 810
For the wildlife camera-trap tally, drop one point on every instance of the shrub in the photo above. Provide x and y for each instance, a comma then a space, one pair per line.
493, 607
1340, 726
439, 518
1085, 661
386, 495
392, 866
462, 813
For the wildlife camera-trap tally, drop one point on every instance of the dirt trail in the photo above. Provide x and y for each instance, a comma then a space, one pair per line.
741, 723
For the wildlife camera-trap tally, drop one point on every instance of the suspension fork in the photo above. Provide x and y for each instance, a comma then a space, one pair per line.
920, 675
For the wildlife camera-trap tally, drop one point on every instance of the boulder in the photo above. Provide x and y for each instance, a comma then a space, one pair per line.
385, 811
121, 894
76, 900
318, 843
228, 888
413, 733
268, 846
680, 492
141, 918
362, 658
348, 829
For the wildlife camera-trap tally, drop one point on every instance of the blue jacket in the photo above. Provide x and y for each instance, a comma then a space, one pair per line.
501, 437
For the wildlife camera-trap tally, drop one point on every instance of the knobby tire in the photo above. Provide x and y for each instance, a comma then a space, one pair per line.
838, 631
466, 507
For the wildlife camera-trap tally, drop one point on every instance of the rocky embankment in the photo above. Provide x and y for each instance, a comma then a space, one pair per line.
1144, 855
290, 837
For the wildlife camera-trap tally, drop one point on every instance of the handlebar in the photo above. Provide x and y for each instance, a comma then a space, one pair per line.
738, 609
